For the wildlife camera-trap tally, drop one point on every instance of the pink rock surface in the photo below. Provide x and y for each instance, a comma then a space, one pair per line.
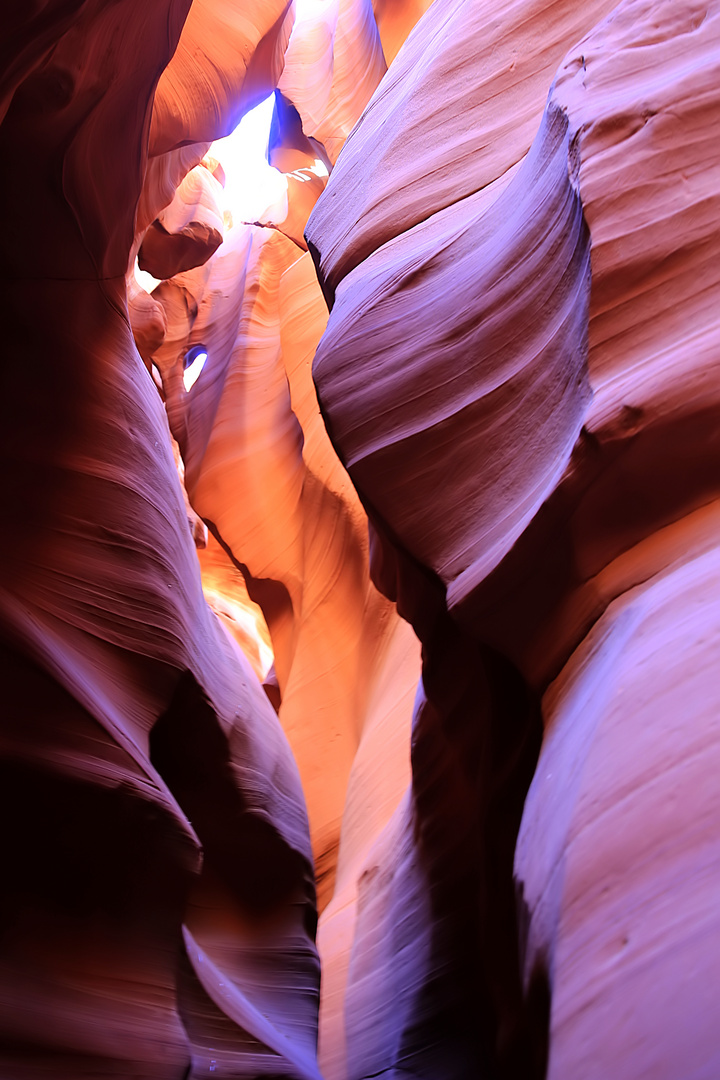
515, 404
333, 65
618, 853
164, 174
305, 165
378, 780
147, 319
519, 243
187, 231
647, 181
229, 58
460, 107
416, 253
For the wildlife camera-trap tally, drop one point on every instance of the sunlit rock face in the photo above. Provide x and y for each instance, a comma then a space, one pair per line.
303, 162
333, 65
187, 232
545, 463
521, 259
259, 469
487, 103
251, 425
431, 651
229, 59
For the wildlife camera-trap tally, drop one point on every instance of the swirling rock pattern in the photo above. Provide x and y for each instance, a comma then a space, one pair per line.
634, 837
251, 424
649, 452
228, 59
520, 372
519, 407
618, 539
408, 159
333, 65
159, 825
188, 231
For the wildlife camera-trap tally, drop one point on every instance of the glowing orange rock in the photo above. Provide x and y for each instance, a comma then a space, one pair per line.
251, 425
333, 65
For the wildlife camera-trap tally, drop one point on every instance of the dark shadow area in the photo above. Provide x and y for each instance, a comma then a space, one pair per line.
537, 1013
191, 753
475, 746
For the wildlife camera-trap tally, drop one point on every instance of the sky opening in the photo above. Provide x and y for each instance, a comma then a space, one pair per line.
254, 190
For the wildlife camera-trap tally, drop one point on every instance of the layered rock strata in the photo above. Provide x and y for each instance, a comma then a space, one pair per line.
251, 425
559, 300
519, 372
158, 902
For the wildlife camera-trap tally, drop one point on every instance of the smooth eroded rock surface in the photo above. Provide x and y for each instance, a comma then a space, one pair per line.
439, 311
460, 698
159, 856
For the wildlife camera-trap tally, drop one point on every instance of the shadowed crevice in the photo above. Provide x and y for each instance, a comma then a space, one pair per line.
192, 754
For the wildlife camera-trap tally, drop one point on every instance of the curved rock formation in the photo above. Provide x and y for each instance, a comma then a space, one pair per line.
251, 424
304, 164
647, 453
395, 19
627, 135
517, 314
634, 836
519, 372
333, 65
618, 854
147, 319
159, 827
458, 109
225, 590
229, 58
188, 231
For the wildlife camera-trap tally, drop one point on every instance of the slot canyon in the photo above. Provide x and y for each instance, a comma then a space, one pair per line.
360, 556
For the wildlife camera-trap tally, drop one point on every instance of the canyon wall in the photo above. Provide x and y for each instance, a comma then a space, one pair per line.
406, 612
158, 896
539, 315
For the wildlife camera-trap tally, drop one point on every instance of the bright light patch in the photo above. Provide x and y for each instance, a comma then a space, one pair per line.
248, 620
305, 10
194, 363
145, 281
254, 191
318, 168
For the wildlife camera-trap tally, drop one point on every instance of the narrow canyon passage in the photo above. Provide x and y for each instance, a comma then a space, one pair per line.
359, 565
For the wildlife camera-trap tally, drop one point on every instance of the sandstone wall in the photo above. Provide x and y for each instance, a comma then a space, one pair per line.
455, 444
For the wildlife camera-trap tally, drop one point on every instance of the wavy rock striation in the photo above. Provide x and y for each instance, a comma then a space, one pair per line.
228, 59
188, 231
251, 424
333, 65
619, 888
519, 371
520, 265
462, 294
642, 133
486, 74
159, 829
